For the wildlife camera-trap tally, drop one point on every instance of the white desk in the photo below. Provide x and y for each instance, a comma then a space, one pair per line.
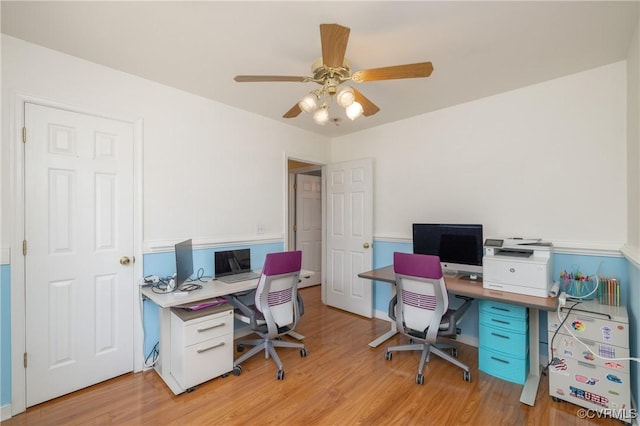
210, 289
475, 290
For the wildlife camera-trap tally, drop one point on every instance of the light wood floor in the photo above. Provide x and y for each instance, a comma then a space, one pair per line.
342, 381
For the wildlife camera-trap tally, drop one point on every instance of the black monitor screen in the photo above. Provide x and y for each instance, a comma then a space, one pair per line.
459, 244
184, 261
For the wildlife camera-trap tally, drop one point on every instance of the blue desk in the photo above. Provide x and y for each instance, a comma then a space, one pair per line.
474, 289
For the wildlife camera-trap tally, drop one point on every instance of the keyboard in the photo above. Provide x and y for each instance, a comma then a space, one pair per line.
243, 276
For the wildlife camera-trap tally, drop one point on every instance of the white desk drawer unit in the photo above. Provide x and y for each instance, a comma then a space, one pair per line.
588, 372
504, 341
201, 344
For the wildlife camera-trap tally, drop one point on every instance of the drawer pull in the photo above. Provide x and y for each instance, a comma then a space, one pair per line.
201, 330
497, 308
586, 364
500, 335
500, 360
211, 347
500, 321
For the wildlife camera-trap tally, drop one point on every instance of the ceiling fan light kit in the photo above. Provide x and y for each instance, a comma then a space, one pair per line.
331, 71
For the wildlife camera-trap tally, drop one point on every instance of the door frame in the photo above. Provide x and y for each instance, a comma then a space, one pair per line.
18, 301
289, 202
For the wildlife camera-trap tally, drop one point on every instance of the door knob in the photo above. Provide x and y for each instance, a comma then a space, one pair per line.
124, 260
366, 245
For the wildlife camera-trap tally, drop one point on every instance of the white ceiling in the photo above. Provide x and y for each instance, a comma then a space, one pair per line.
477, 48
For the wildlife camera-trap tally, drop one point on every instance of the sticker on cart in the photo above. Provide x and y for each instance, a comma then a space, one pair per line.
588, 356
560, 391
567, 347
577, 325
614, 379
607, 351
603, 401
612, 392
559, 365
606, 333
613, 364
587, 381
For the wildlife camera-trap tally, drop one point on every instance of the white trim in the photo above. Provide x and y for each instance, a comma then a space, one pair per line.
564, 247
165, 246
18, 315
5, 256
5, 412
632, 254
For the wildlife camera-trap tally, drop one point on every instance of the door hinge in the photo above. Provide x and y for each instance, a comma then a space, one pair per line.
24, 135
295, 228
24, 360
295, 186
24, 247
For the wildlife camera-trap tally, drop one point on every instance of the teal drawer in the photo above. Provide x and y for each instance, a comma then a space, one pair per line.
503, 366
507, 324
504, 309
506, 342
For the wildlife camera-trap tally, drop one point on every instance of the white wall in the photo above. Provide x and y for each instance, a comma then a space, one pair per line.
210, 171
633, 147
546, 161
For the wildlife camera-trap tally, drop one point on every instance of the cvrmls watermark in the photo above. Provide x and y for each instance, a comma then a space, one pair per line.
616, 413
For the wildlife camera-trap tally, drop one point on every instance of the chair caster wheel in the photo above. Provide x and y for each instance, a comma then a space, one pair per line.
237, 370
388, 356
556, 399
303, 352
280, 375
240, 347
419, 379
466, 376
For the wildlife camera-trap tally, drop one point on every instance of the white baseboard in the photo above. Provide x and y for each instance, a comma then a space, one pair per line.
5, 412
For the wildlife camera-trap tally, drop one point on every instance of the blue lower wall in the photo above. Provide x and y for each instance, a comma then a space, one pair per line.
163, 264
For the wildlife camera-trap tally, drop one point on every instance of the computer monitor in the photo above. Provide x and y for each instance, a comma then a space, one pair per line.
230, 262
459, 246
184, 261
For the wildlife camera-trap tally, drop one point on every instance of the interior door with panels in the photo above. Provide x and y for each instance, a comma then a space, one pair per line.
349, 236
79, 245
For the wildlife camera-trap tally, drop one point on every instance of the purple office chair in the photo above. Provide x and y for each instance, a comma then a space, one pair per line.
275, 309
421, 309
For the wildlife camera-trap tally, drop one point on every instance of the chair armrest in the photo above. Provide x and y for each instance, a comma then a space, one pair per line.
392, 307
247, 311
460, 310
300, 305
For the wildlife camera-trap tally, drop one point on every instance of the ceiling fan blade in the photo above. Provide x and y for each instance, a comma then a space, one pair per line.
293, 112
333, 38
368, 107
422, 69
266, 78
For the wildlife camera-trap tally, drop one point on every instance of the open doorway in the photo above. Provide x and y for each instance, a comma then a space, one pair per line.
305, 231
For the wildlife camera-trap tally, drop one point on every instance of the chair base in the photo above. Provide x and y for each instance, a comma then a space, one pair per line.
269, 347
426, 349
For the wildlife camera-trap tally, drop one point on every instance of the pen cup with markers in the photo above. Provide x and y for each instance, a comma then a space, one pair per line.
584, 288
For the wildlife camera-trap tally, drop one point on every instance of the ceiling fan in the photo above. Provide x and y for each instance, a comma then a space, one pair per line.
331, 71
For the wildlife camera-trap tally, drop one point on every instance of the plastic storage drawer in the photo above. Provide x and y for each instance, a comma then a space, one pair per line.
504, 341
505, 367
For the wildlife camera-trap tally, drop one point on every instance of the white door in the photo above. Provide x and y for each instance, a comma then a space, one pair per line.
309, 226
78, 226
349, 236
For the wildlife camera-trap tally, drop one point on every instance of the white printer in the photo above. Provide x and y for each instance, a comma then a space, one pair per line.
518, 265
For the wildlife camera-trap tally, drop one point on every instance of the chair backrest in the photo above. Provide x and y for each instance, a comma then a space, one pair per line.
421, 291
277, 291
